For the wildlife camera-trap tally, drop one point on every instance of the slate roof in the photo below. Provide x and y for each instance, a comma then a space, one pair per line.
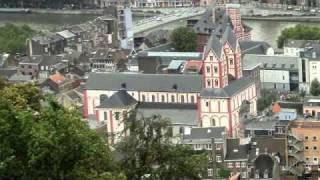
236, 151
50, 60
205, 133
254, 47
261, 125
120, 99
271, 62
205, 24
144, 82
311, 50
229, 90
230, 37
214, 44
32, 59
179, 114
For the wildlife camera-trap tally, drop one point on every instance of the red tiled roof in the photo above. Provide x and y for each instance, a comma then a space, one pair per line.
57, 78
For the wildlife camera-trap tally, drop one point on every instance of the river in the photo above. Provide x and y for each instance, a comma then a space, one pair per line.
262, 30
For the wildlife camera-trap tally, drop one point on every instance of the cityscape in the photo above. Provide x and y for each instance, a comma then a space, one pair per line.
159, 90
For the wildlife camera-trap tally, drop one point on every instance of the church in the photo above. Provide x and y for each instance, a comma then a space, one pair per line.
210, 98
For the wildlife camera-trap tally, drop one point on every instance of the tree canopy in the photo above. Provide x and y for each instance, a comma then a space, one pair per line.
184, 39
266, 99
315, 87
299, 32
13, 38
48, 142
148, 151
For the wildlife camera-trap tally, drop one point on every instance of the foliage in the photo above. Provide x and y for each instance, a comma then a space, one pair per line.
266, 99
300, 32
224, 173
13, 38
148, 150
48, 142
184, 39
315, 87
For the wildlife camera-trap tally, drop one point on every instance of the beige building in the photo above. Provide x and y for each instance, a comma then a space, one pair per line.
308, 130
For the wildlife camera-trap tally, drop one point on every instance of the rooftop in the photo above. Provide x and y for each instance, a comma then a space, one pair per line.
178, 114
205, 133
271, 62
120, 99
145, 82
229, 90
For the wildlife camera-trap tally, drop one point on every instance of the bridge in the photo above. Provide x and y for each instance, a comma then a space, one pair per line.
167, 16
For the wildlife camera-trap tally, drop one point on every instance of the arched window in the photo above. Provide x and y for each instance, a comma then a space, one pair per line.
153, 98
162, 98
215, 69
208, 82
216, 82
143, 98
172, 99
192, 99
103, 97
213, 122
208, 69
182, 99
231, 61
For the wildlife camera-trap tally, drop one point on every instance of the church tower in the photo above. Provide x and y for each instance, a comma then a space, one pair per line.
233, 53
215, 70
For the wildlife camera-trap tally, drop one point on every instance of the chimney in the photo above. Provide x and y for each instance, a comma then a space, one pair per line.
314, 55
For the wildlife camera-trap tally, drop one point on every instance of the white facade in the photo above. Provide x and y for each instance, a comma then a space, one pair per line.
93, 97
314, 67
225, 111
275, 79
292, 51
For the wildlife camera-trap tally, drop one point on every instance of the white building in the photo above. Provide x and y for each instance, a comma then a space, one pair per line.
276, 72
309, 67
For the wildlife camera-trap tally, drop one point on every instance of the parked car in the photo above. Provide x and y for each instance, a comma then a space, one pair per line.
312, 10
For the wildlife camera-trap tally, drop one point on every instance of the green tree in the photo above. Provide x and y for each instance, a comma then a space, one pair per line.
48, 142
224, 173
300, 32
184, 39
315, 87
13, 38
149, 151
266, 99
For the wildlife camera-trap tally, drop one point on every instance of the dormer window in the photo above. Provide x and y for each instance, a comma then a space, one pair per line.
211, 58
